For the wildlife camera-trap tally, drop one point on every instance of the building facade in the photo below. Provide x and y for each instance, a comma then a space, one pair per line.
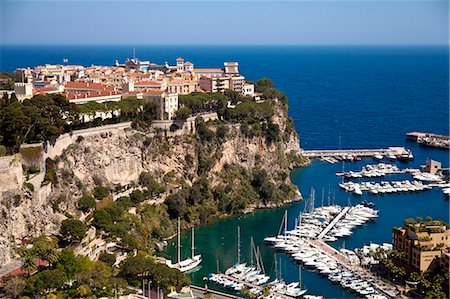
422, 243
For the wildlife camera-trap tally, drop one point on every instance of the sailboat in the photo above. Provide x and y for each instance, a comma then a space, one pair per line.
189, 263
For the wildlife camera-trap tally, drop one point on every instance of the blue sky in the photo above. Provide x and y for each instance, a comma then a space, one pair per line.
218, 22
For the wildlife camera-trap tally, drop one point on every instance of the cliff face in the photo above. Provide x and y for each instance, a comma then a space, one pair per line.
119, 158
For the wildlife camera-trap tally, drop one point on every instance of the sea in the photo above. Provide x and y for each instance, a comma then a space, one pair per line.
339, 97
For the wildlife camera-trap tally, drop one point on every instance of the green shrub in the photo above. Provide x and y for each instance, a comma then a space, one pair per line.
101, 192
86, 203
29, 186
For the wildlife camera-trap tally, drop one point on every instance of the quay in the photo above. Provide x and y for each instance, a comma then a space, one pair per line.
429, 139
335, 254
251, 286
333, 223
353, 152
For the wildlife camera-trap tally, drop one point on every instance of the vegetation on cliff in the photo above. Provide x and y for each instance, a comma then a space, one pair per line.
232, 165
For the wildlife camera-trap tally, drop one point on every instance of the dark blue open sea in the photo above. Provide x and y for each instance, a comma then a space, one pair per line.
369, 96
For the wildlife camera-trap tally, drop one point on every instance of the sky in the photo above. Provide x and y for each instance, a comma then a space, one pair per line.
356, 22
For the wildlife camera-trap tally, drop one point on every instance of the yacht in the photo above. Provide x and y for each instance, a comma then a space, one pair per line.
188, 264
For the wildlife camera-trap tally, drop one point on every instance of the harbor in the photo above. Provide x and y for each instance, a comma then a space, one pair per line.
339, 266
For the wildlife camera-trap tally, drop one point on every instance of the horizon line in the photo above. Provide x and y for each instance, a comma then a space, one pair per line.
220, 44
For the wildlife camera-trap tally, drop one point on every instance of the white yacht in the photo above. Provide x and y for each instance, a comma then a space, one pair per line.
188, 264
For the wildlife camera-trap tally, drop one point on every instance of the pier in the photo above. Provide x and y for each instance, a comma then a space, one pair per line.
333, 223
429, 139
342, 153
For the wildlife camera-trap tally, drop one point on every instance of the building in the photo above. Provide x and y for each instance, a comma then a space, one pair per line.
231, 68
136, 64
183, 67
422, 242
182, 86
432, 166
166, 103
237, 83
208, 72
214, 84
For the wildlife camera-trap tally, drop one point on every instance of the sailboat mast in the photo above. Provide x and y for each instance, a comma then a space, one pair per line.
178, 243
285, 222
239, 244
329, 194
276, 265
323, 194
193, 243
300, 276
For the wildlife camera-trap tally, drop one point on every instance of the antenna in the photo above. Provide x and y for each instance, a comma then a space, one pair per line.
334, 196
134, 53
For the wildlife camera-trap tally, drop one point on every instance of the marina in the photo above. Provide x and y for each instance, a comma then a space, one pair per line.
339, 266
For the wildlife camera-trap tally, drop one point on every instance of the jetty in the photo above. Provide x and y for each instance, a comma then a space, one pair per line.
333, 223
344, 153
429, 139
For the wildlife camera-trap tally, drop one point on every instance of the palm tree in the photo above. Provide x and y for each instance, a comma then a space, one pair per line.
28, 264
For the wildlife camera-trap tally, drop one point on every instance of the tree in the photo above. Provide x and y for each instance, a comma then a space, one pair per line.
176, 204
107, 258
183, 112
137, 196
86, 203
72, 230
102, 219
68, 262
28, 264
101, 192
263, 84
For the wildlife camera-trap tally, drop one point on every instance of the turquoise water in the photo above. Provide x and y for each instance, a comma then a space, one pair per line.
369, 96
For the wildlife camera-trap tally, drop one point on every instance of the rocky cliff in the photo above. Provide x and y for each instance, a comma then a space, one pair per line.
117, 159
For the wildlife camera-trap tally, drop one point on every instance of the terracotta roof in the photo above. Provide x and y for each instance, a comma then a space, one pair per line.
148, 83
153, 92
208, 70
87, 95
188, 63
85, 85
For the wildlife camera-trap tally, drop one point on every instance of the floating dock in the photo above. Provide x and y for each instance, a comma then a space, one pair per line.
429, 139
353, 152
